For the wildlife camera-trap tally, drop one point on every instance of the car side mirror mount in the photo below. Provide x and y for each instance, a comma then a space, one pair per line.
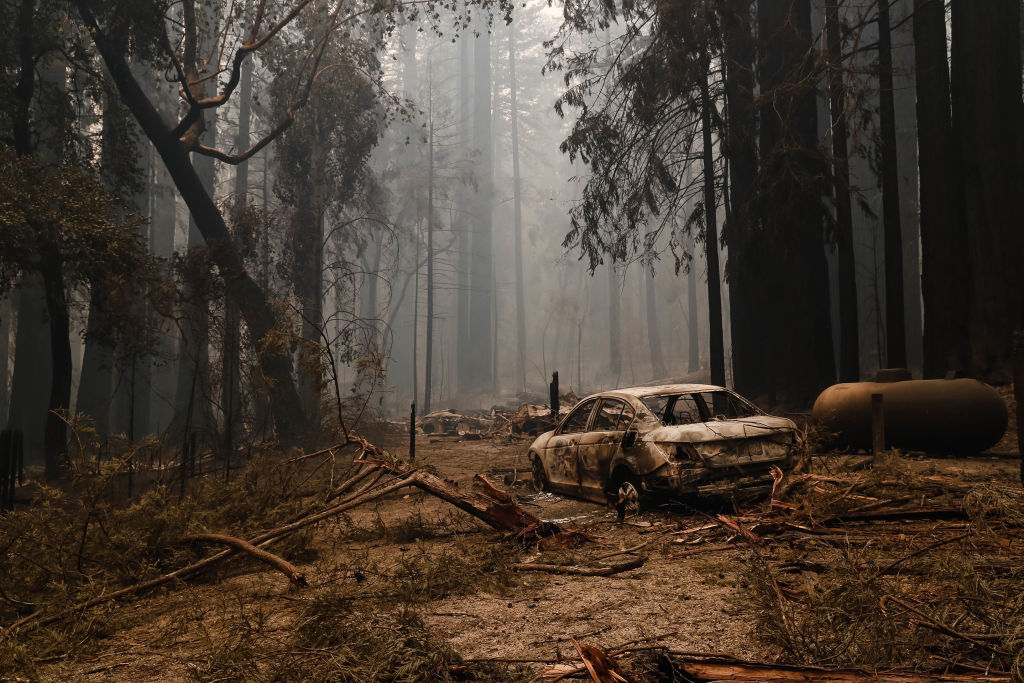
629, 438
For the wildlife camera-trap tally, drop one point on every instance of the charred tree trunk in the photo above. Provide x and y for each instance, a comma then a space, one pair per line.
987, 115
849, 320
52, 270
895, 324
794, 305
945, 282
741, 149
716, 343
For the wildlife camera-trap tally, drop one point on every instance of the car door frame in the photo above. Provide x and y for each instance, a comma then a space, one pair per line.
561, 452
606, 445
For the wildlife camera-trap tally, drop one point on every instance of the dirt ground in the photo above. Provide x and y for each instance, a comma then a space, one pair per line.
691, 602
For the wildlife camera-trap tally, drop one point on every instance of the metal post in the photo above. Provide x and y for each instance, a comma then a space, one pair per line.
877, 426
553, 393
412, 432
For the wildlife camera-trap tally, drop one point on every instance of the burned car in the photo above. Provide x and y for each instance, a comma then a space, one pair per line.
680, 440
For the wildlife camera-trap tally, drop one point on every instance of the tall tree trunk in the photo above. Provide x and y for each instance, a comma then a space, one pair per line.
692, 318
658, 369
162, 226
96, 381
461, 224
614, 326
794, 301
256, 311
895, 323
716, 343
987, 115
5, 351
849, 319
428, 361
517, 209
52, 270
481, 264
945, 282
740, 146
231, 352
191, 407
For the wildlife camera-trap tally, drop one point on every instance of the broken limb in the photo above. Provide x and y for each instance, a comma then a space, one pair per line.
492, 505
579, 571
623, 552
280, 564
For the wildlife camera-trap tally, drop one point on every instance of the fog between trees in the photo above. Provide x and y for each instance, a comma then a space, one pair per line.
230, 219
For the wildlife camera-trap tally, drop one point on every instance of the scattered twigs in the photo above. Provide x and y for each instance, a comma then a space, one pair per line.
937, 625
280, 564
579, 571
921, 551
704, 549
40, 618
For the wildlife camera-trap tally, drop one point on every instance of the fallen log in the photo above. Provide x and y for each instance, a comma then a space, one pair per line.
578, 571
280, 564
491, 505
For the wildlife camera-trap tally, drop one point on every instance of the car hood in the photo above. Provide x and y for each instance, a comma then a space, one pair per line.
721, 430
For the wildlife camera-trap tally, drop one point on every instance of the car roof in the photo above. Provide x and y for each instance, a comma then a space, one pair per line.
658, 390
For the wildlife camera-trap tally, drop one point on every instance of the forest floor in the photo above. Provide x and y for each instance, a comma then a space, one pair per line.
412, 567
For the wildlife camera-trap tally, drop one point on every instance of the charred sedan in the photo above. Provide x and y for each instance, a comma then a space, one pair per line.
680, 440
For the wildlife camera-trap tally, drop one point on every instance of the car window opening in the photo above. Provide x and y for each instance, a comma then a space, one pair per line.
704, 406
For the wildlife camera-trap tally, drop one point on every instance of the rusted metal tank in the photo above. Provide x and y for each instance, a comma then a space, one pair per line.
935, 415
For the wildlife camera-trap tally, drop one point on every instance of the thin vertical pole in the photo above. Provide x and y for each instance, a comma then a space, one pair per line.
412, 432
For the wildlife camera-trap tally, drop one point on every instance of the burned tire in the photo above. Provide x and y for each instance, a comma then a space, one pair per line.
540, 476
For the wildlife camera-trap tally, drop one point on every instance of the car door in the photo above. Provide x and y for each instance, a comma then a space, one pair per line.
561, 457
600, 444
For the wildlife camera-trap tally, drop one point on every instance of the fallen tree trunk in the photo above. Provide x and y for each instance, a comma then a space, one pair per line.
579, 571
280, 564
491, 505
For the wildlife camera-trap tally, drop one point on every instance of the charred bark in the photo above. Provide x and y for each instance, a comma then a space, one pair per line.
740, 148
895, 324
987, 115
849, 320
793, 302
945, 282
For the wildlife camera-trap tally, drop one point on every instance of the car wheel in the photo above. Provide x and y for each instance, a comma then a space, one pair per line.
540, 476
628, 496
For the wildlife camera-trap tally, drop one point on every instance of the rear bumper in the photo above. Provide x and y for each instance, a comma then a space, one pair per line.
673, 479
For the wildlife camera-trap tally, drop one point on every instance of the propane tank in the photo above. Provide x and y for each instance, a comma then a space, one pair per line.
938, 415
